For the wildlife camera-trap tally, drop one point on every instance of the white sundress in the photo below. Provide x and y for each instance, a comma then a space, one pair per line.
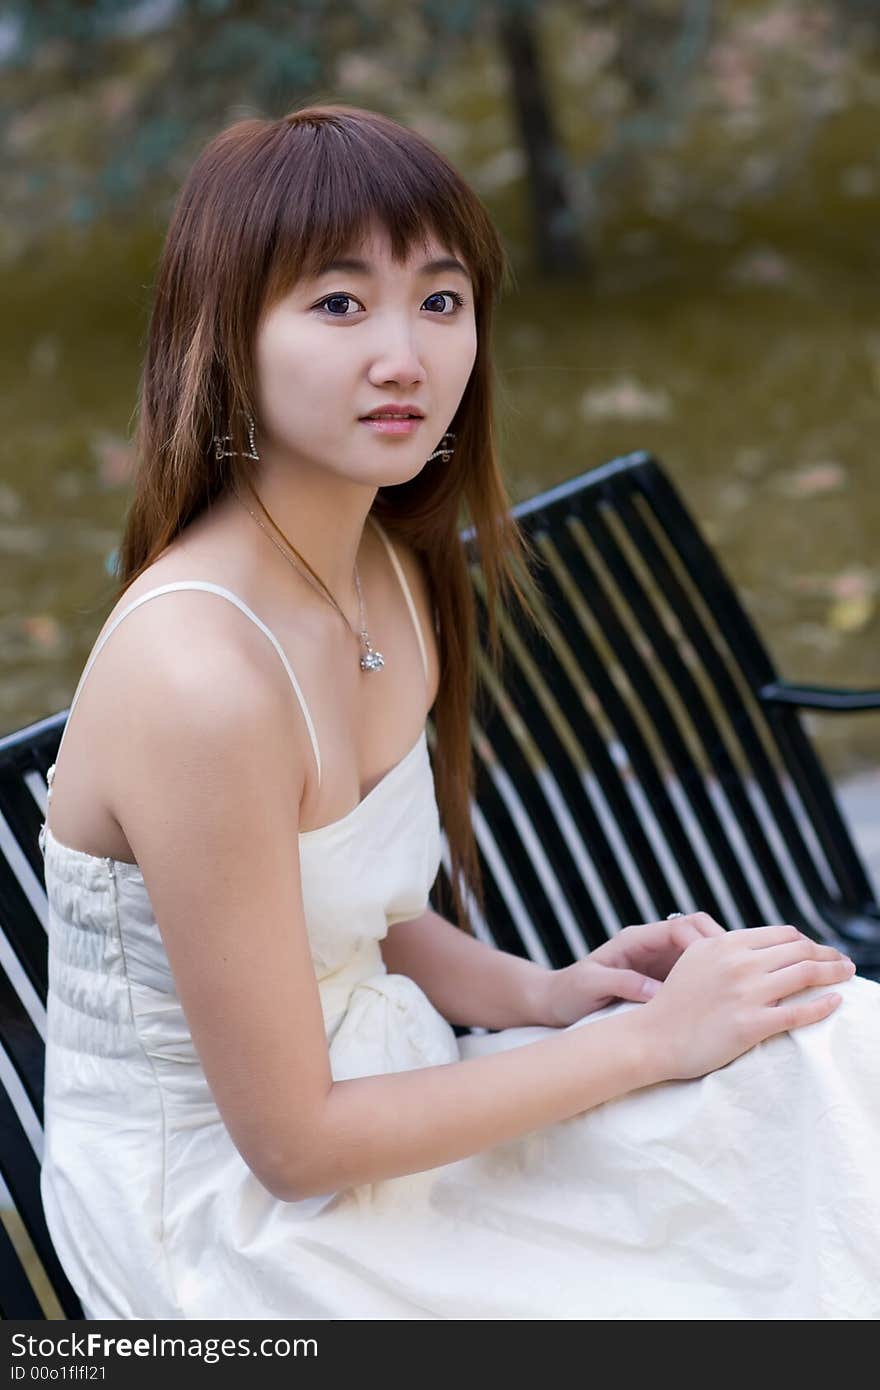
753, 1192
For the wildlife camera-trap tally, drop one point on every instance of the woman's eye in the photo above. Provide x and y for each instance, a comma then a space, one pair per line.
458, 300
336, 299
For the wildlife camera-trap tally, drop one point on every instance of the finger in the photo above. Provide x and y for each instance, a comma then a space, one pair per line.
805, 974
789, 952
757, 937
784, 1017
707, 926
629, 984
683, 932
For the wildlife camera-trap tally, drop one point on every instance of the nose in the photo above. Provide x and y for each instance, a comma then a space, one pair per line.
398, 359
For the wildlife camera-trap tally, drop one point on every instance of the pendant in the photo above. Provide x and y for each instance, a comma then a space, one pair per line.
373, 660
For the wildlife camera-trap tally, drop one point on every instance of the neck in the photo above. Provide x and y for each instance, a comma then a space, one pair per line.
322, 518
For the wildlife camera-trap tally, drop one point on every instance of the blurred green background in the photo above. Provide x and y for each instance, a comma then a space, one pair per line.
689, 194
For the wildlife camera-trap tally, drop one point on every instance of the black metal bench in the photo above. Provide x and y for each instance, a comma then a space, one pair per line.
640, 755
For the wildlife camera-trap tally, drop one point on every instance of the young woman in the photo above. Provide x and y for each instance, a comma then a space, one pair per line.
256, 1106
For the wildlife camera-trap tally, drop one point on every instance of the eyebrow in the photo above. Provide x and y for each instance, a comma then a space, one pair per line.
361, 267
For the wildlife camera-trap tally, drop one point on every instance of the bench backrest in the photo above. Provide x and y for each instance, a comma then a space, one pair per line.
635, 758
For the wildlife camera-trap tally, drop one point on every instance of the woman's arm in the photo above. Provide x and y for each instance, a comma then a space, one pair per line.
468, 981
725, 994
376, 1127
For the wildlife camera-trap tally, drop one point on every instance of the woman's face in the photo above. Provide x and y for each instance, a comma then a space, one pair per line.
336, 347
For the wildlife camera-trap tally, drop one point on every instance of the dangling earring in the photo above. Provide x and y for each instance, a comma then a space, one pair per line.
221, 439
444, 449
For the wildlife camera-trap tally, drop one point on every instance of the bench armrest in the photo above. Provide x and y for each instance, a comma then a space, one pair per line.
824, 697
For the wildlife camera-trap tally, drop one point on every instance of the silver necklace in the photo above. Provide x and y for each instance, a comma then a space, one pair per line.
371, 659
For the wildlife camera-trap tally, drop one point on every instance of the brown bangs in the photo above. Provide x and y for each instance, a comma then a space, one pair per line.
337, 180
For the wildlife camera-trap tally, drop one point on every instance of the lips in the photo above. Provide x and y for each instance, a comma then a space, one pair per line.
395, 411
393, 424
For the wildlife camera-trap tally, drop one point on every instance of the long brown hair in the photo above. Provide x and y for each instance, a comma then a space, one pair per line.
266, 202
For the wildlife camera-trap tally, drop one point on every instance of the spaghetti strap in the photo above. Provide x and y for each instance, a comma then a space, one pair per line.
406, 592
213, 589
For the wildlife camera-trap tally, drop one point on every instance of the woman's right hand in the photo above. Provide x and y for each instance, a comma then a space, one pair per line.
726, 993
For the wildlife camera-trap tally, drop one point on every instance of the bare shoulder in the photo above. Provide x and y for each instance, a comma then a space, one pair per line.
188, 637
204, 725
189, 673
207, 683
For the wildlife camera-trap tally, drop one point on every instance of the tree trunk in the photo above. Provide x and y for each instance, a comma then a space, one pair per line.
554, 221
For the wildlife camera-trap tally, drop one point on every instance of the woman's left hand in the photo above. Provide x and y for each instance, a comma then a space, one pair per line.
630, 966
